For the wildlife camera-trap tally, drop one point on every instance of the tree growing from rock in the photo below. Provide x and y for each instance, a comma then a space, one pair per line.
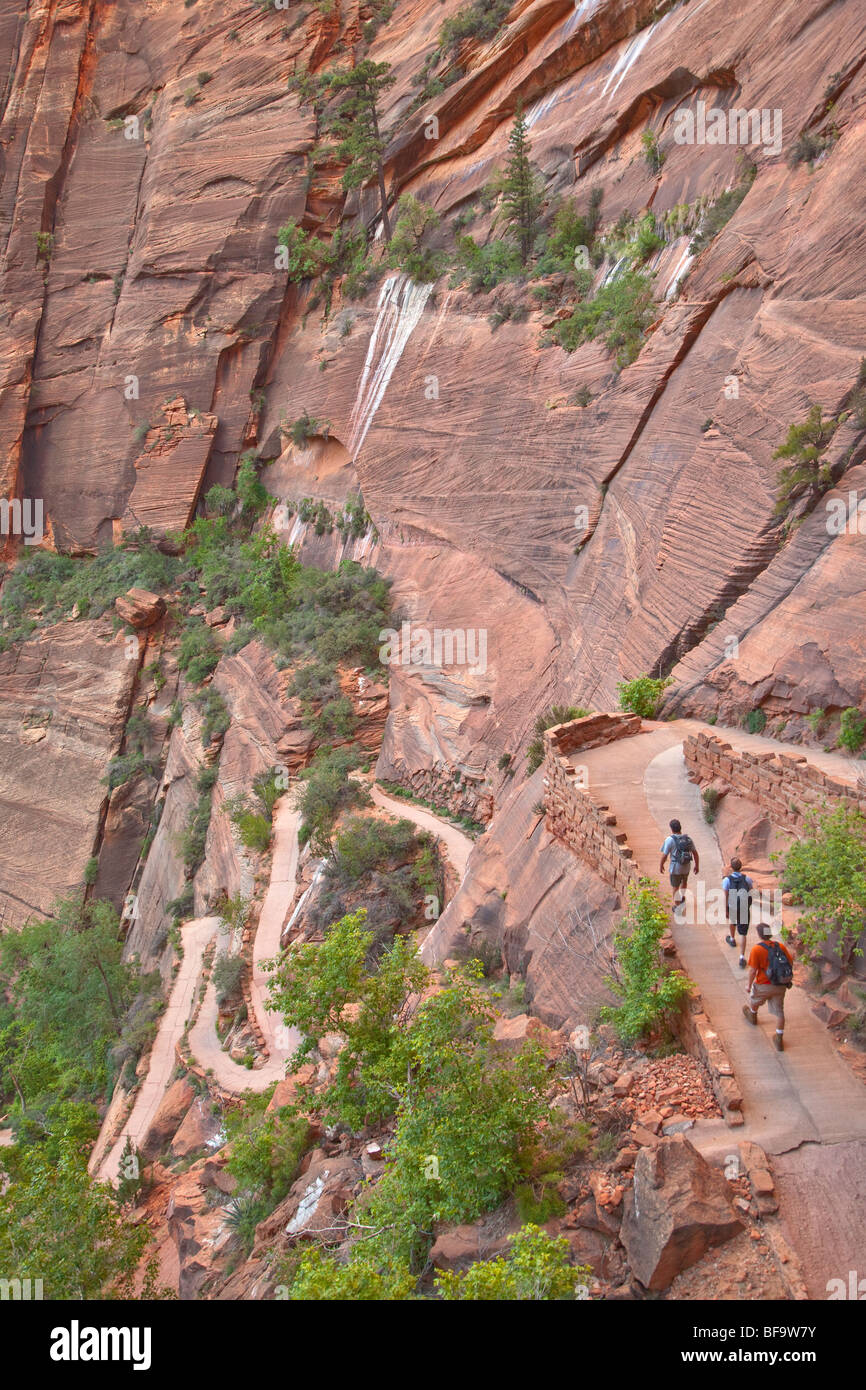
354, 125
522, 197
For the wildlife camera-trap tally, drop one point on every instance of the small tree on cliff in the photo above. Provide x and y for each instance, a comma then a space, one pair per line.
354, 126
522, 196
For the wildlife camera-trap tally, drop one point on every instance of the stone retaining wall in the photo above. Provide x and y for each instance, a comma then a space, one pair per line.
572, 814
783, 785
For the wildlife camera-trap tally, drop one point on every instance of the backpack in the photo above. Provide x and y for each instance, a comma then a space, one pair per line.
778, 969
738, 886
681, 854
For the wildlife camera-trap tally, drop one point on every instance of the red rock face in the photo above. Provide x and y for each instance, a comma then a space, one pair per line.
151, 338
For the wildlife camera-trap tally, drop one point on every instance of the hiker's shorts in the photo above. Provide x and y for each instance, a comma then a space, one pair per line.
679, 880
771, 995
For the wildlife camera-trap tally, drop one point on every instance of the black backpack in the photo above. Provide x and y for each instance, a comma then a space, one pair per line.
681, 854
779, 968
739, 888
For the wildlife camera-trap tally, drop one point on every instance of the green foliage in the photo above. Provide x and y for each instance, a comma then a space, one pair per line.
215, 715
354, 520
480, 20
317, 681
306, 428
816, 720
198, 652
722, 210
570, 229
755, 721
537, 1267
335, 720
557, 714
311, 987
852, 730
825, 871
56, 1224
267, 791
650, 994
711, 798
255, 831
191, 840
415, 221
306, 253
366, 843
127, 767
266, 1151
320, 1277
651, 152
228, 973
809, 146
646, 242
805, 446
91, 872
485, 266
46, 587
353, 124
620, 313
642, 695
325, 790
254, 497
521, 191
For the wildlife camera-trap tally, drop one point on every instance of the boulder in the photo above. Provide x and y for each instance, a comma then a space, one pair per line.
139, 607
678, 1209
199, 1129
166, 1122
315, 1202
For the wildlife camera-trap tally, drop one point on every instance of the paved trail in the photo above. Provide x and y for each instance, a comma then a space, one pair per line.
802, 1105
197, 935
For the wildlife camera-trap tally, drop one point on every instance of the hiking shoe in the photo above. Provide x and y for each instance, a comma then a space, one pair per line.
777, 1042
730, 940
750, 1015
742, 962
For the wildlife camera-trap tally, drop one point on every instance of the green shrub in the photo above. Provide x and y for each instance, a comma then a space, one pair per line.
755, 721
852, 730
620, 313
651, 152
650, 994
711, 798
198, 652
536, 1268
215, 715
406, 251
255, 831
816, 721
825, 871
315, 682
325, 790
228, 972
642, 695
126, 768
557, 714
91, 871
367, 843
485, 266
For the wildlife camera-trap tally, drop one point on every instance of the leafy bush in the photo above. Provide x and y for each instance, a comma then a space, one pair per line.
620, 313
324, 791
126, 767
315, 682
569, 230
537, 1267
642, 695
45, 587
198, 652
711, 798
825, 871
266, 1149
215, 716
651, 152
485, 266
367, 843
228, 972
480, 20
852, 730
755, 721
649, 992
255, 831
557, 714
647, 241
406, 252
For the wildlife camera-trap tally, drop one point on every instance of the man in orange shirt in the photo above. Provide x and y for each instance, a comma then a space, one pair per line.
770, 977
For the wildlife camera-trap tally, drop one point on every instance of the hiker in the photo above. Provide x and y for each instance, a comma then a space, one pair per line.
771, 975
738, 906
682, 851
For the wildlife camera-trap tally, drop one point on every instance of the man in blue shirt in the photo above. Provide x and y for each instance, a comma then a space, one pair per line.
683, 852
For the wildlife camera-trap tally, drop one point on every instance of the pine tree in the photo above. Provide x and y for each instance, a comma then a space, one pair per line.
522, 196
355, 126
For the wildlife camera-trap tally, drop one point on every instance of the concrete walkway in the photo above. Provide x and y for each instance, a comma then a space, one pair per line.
457, 844
803, 1106
196, 936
